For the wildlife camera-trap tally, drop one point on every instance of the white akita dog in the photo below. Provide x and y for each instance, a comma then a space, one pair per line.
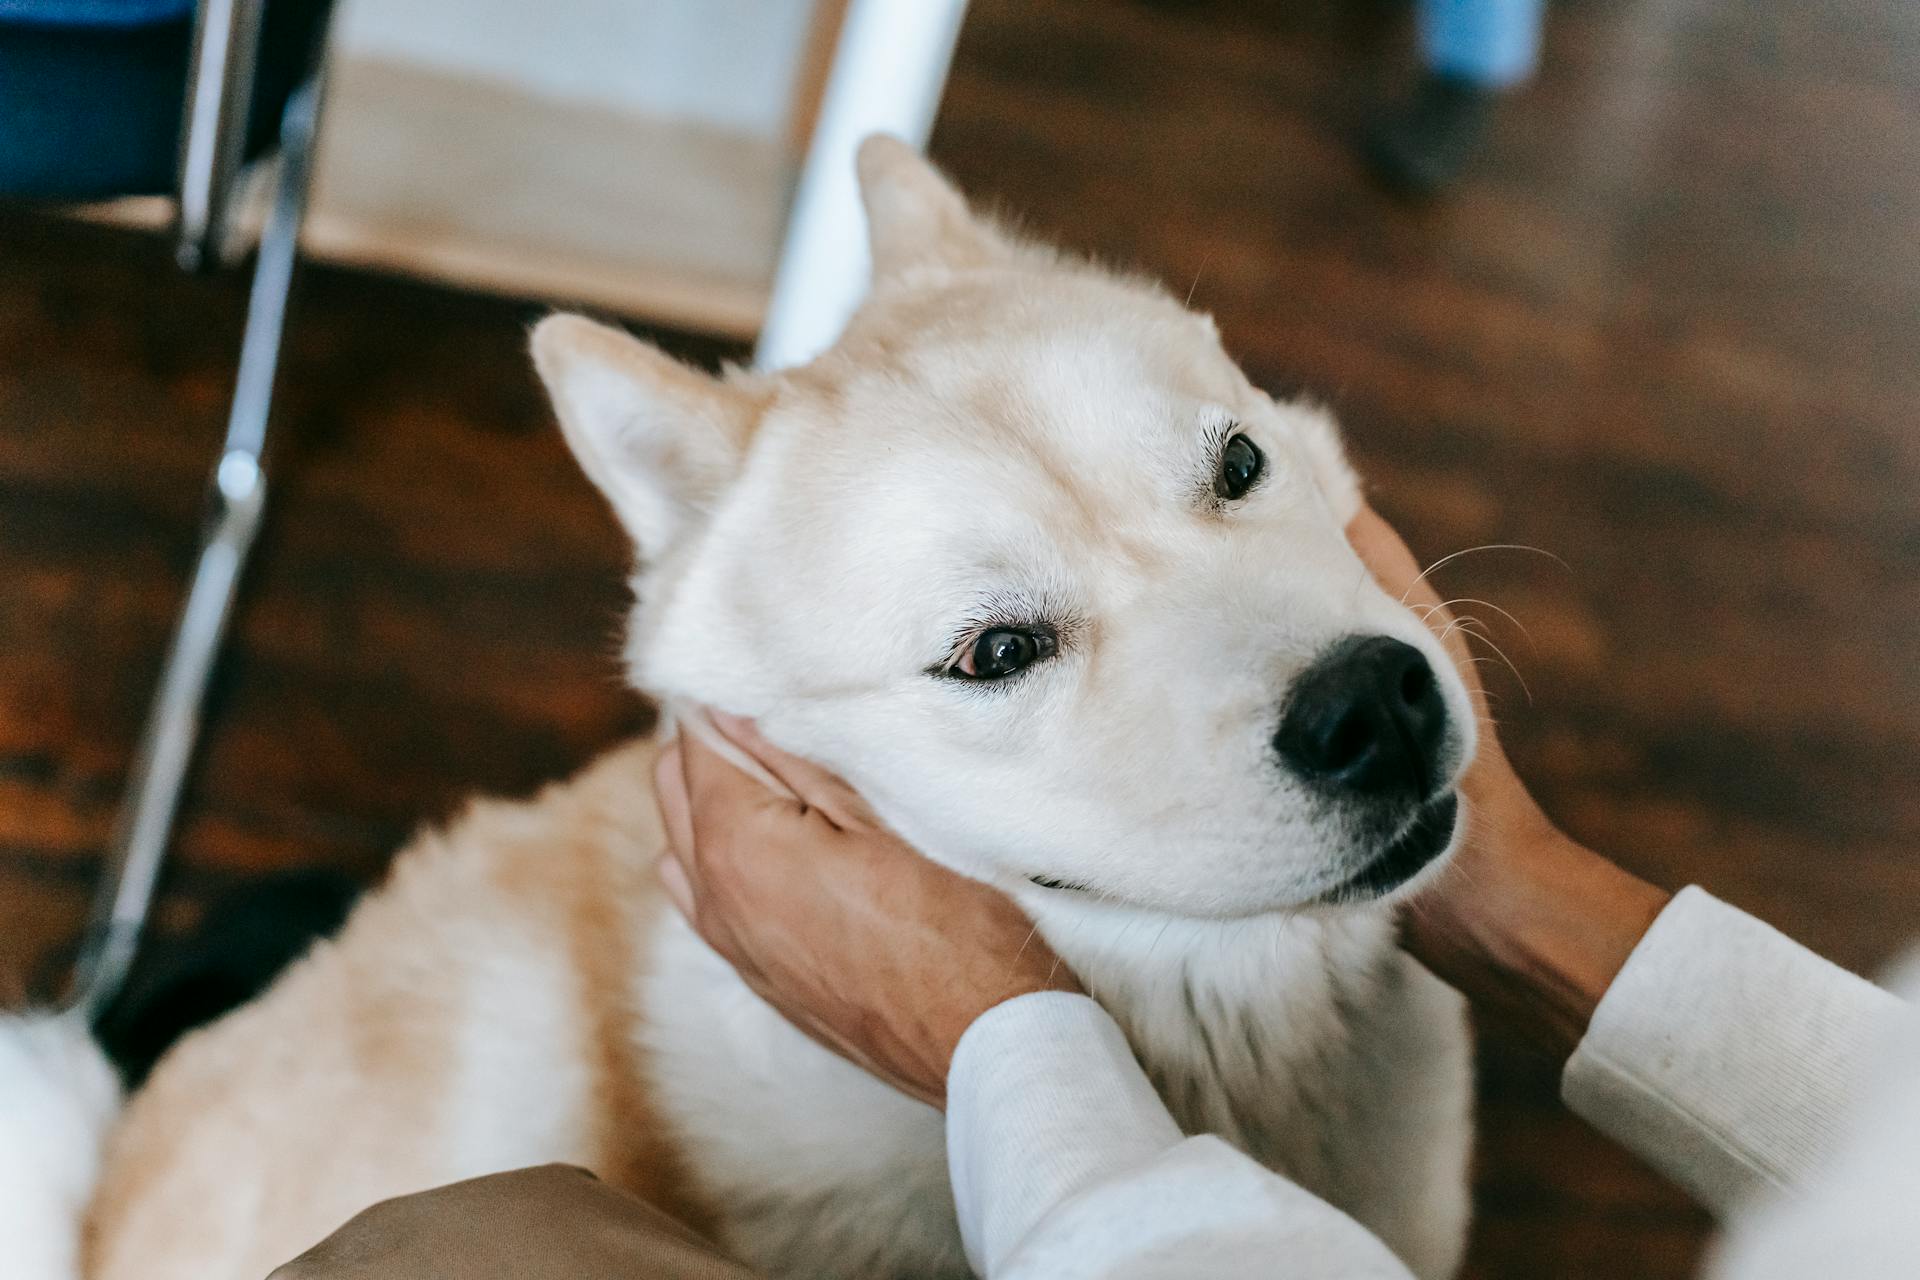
1027, 560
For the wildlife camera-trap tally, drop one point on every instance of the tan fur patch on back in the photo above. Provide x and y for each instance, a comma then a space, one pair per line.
343, 1086
605, 903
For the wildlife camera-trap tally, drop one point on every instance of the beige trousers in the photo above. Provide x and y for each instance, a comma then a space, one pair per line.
551, 1223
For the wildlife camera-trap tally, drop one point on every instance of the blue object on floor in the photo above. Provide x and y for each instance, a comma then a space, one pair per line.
1491, 44
91, 90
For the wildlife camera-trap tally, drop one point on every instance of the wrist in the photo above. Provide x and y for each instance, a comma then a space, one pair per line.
1548, 934
1056, 979
1022, 1015
1578, 919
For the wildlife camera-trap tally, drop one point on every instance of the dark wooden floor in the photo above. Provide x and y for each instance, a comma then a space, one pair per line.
1669, 330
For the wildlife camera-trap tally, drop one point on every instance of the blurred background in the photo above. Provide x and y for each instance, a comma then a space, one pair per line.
1655, 309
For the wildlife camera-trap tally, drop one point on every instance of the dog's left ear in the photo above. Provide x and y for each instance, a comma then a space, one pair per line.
660, 439
915, 218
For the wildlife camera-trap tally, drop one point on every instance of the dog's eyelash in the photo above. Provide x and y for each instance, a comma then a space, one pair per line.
1218, 432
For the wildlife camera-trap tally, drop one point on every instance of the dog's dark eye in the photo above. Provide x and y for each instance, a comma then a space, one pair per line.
1240, 464
999, 653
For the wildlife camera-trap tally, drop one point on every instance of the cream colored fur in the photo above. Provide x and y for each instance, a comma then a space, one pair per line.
1000, 434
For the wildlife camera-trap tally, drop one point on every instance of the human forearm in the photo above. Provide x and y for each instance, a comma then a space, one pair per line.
1044, 1100
1536, 941
1716, 1049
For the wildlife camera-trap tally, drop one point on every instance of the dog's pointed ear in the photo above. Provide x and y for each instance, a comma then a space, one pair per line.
659, 439
915, 218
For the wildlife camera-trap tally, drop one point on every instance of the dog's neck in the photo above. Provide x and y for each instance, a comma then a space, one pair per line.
1224, 1014
1127, 953
1227, 1016
1168, 972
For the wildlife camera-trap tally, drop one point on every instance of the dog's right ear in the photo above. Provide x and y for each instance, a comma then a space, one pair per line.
659, 438
915, 218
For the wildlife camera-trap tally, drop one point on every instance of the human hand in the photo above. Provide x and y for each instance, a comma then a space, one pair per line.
879, 954
1528, 923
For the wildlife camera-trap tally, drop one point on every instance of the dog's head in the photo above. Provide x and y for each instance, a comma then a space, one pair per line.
1029, 561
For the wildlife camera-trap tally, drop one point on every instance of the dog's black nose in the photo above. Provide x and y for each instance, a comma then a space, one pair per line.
1366, 718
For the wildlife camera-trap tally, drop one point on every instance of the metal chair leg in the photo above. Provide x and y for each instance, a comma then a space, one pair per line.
238, 496
213, 136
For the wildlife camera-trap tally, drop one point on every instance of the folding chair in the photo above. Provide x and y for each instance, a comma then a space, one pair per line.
107, 98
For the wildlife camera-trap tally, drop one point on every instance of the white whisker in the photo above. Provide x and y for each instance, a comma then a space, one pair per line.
1489, 546
1522, 627
1204, 262
1487, 640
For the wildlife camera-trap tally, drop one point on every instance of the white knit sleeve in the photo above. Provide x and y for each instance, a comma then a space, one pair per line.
1855, 1217
1067, 1166
1725, 1054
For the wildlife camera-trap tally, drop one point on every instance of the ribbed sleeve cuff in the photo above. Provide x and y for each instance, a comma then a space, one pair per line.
1725, 1054
1044, 1098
